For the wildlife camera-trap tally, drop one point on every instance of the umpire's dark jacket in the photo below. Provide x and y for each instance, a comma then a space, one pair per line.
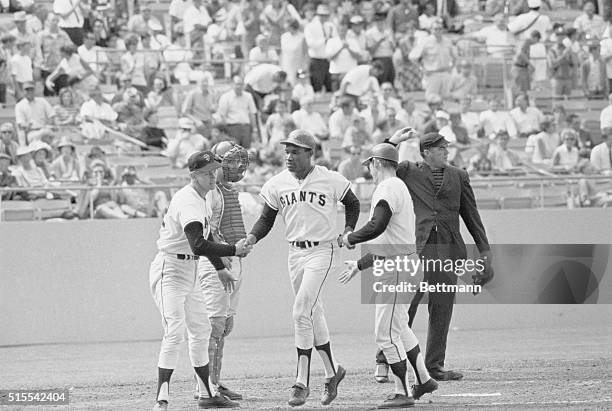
439, 211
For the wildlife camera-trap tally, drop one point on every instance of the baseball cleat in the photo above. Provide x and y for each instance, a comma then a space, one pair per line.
218, 401
331, 388
382, 373
160, 405
299, 395
418, 390
449, 375
397, 401
226, 392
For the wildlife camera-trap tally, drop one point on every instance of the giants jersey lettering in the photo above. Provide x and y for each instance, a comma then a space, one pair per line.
309, 208
400, 236
185, 207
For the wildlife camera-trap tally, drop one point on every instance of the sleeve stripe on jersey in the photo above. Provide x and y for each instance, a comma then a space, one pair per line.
345, 191
195, 220
268, 202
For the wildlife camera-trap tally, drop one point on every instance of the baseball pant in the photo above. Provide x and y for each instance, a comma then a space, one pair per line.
308, 270
437, 84
177, 292
218, 302
319, 74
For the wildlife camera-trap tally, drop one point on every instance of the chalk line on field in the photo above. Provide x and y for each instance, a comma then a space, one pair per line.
472, 394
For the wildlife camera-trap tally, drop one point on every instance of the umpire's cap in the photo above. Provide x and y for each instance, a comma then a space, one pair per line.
385, 151
301, 138
203, 161
430, 140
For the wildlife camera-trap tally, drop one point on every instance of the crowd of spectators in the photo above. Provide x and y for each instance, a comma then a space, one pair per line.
83, 72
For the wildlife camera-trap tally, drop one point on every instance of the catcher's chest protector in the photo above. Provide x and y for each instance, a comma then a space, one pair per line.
232, 224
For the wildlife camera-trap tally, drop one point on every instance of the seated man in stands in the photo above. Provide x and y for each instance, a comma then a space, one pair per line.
95, 114
342, 119
464, 82
284, 93
7, 179
307, 119
29, 175
152, 135
540, 147
8, 141
130, 113
33, 115
588, 196
566, 155
480, 163
503, 158
494, 120
185, 143
140, 198
601, 156
585, 142
527, 119
351, 167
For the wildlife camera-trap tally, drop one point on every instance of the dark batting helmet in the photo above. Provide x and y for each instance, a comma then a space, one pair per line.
234, 160
385, 151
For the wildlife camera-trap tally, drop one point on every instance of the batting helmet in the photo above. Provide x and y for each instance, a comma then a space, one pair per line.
385, 151
234, 160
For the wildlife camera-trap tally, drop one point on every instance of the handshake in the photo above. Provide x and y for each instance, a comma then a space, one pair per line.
245, 246
343, 239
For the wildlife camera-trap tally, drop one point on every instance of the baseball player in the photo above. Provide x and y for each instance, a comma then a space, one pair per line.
183, 237
226, 226
391, 232
306, 196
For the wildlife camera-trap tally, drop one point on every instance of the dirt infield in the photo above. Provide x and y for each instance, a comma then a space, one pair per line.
520, 369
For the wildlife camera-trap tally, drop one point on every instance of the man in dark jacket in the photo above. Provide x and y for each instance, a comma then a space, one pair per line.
440, 193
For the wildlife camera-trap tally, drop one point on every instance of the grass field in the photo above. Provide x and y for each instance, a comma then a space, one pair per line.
556, 367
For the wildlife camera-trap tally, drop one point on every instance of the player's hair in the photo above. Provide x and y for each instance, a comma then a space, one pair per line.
384, 163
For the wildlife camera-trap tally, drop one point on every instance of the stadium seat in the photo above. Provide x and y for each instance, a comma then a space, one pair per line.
487, 203
45, 209
15, 210
516, 202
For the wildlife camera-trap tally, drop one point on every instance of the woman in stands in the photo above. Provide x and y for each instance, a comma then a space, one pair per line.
66, 111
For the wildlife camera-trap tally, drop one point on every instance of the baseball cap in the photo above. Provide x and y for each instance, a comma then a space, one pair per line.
430, 140
357, 19
203, 161
300, 138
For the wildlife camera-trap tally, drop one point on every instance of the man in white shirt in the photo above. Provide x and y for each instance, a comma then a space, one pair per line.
387, 101
499, 41
33, 115
493, 120
93, 55
341, 119
605, 118
72, 19
601, 155
94, 112
317, 33
343, 53
262, 80
236, 110
361, 82
469, 118
195, 23
145, 21
185, 143
589, 22
307, 119
527, 119
524, 24
606, 55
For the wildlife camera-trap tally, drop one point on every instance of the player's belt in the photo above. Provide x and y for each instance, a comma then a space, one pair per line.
304, 244
187, 257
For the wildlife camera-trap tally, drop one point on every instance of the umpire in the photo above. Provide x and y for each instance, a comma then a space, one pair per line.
441, 193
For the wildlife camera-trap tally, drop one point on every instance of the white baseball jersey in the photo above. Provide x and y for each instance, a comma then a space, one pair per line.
185, 207
309, 207
399, 237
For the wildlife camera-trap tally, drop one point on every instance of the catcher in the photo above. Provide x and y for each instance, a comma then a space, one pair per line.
226, 225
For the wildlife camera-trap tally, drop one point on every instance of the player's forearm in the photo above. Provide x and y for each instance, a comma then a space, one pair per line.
264, 224
203, 247
366, 261
375, 227
351, 210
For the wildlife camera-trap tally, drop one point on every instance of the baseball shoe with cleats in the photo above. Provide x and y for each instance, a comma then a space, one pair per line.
331, 388
443, 375
226, 392
397, 401
381, 374
299, 395
218, 401
418, 390
160, 405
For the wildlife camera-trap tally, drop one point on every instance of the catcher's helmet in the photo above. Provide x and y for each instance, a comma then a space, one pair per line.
385, 151
234, 160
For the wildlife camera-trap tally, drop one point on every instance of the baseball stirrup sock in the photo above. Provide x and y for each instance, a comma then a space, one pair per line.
418, 365
163, 383
303, 366
203, 381
328, 361
399, 376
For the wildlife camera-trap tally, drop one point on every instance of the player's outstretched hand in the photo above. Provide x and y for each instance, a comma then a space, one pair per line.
227, 280
243, 248
403, 134
350, 271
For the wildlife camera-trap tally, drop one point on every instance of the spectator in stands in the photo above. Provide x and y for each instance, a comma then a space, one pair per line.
464, 82
33, 115
133, 64
593, 74
303, 88
563, 64
176, 10
72, 66
66, 166
51, 40
441, 119
36, 20
307, 119
538, 57
524, 24
7, 179
152, 135
28, 174
407, 116
343, 53
139, 199
428, 18
605, 118
274, 19
357, 134
498, 40
407, 73
276, 123
317, 32
588, 195
589, 23
294, 52
95, 114
130, 112
469, 119
585, 142
400, 16
22, 69
284, 93
351, 167
262, 80
195, 23
494, 120
340, 120
93, 55
105, 202
41, 154
237, 113
566, 155
160, 94
437, 57
540, 147
23, 34
522, 68
356, 33
6, 51
251, 14
100, 33
381, 45
144, 22
480, 163
199, 106
601, 156
8, 141
361, 82
262, 52
503, 158
66, 111
526, 118
386, 99
186, 142
72, 19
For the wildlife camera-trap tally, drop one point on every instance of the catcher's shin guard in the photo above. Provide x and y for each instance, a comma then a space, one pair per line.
215, 348
382, 368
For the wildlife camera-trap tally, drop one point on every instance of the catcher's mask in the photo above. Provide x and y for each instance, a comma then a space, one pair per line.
234, 160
